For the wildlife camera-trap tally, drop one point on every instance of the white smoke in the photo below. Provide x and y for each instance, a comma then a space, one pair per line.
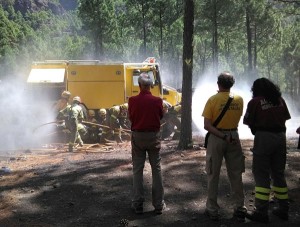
20, 115
207, 86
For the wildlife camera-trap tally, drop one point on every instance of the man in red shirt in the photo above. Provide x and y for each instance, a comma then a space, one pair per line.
145, 112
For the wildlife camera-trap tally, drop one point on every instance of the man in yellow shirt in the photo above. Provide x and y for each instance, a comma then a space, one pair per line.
224, 142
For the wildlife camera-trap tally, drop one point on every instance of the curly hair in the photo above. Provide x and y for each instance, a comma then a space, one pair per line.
266, 88
226, 80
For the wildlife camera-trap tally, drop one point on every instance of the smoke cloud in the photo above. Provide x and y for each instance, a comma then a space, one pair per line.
207, 86
21, 114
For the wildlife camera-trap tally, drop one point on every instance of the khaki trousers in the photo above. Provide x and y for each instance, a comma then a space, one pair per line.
218, 150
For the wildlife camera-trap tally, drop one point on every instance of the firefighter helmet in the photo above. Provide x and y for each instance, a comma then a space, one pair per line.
144, 79
102, 112
66, 94
136, 72
77, 99
124, 106
91, 113
177, 108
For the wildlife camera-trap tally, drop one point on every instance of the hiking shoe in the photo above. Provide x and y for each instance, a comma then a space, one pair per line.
240, 214
160, 209
138, 209
282, 214
258, 217
215, 216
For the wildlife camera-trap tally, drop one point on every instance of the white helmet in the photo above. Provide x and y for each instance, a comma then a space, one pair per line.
66, 94
102, 112
77, 99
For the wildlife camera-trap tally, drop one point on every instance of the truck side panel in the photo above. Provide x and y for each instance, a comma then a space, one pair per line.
100, 86
96, 95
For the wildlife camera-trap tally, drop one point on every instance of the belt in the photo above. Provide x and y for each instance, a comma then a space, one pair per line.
225, 129
144, 131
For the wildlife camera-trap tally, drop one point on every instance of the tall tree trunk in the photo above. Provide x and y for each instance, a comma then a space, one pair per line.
185, 141
215, 51
161, 33
249, 41
144, 37
255, 53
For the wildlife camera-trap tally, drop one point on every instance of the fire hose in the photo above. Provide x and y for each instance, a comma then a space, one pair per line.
52, 122
104, 126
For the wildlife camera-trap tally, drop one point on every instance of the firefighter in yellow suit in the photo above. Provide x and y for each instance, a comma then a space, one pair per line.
73, 116
117, 120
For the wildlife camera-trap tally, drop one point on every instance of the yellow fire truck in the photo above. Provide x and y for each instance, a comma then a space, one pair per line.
100, 85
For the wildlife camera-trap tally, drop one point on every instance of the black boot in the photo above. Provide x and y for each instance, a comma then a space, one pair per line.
257, 216
282, 214
283, 210
260, 214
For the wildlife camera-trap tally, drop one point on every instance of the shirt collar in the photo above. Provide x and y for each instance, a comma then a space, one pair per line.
145, 92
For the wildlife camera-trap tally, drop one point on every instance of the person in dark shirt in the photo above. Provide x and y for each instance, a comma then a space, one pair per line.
266, 115
145, 112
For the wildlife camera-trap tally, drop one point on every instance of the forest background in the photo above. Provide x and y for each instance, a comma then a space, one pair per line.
251, 38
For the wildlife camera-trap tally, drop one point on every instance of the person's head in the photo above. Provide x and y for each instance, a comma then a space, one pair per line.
77, 100
267, 89
102, 112
145, 82
124, 107
226, 80
65, 95
91, 113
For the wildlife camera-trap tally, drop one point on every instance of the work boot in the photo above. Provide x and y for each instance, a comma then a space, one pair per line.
137, 208
240, 213
282, 214
160, 209
260, 214
214, 216
257, 216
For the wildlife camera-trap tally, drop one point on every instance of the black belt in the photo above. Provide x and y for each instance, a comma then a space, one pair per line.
225, 129
144, 131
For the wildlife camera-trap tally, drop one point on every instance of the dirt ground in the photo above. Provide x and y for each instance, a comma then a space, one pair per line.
49, 186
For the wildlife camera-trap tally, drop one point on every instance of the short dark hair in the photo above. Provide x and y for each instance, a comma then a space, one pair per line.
226, 80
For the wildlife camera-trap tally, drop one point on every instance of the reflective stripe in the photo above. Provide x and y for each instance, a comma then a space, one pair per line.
262, 193
278, 189
262, 197
281, 196
263, 190
113, 116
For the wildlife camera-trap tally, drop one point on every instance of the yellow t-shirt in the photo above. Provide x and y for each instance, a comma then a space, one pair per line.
216, 103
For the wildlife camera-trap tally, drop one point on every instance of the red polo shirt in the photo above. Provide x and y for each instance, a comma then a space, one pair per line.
145, 112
